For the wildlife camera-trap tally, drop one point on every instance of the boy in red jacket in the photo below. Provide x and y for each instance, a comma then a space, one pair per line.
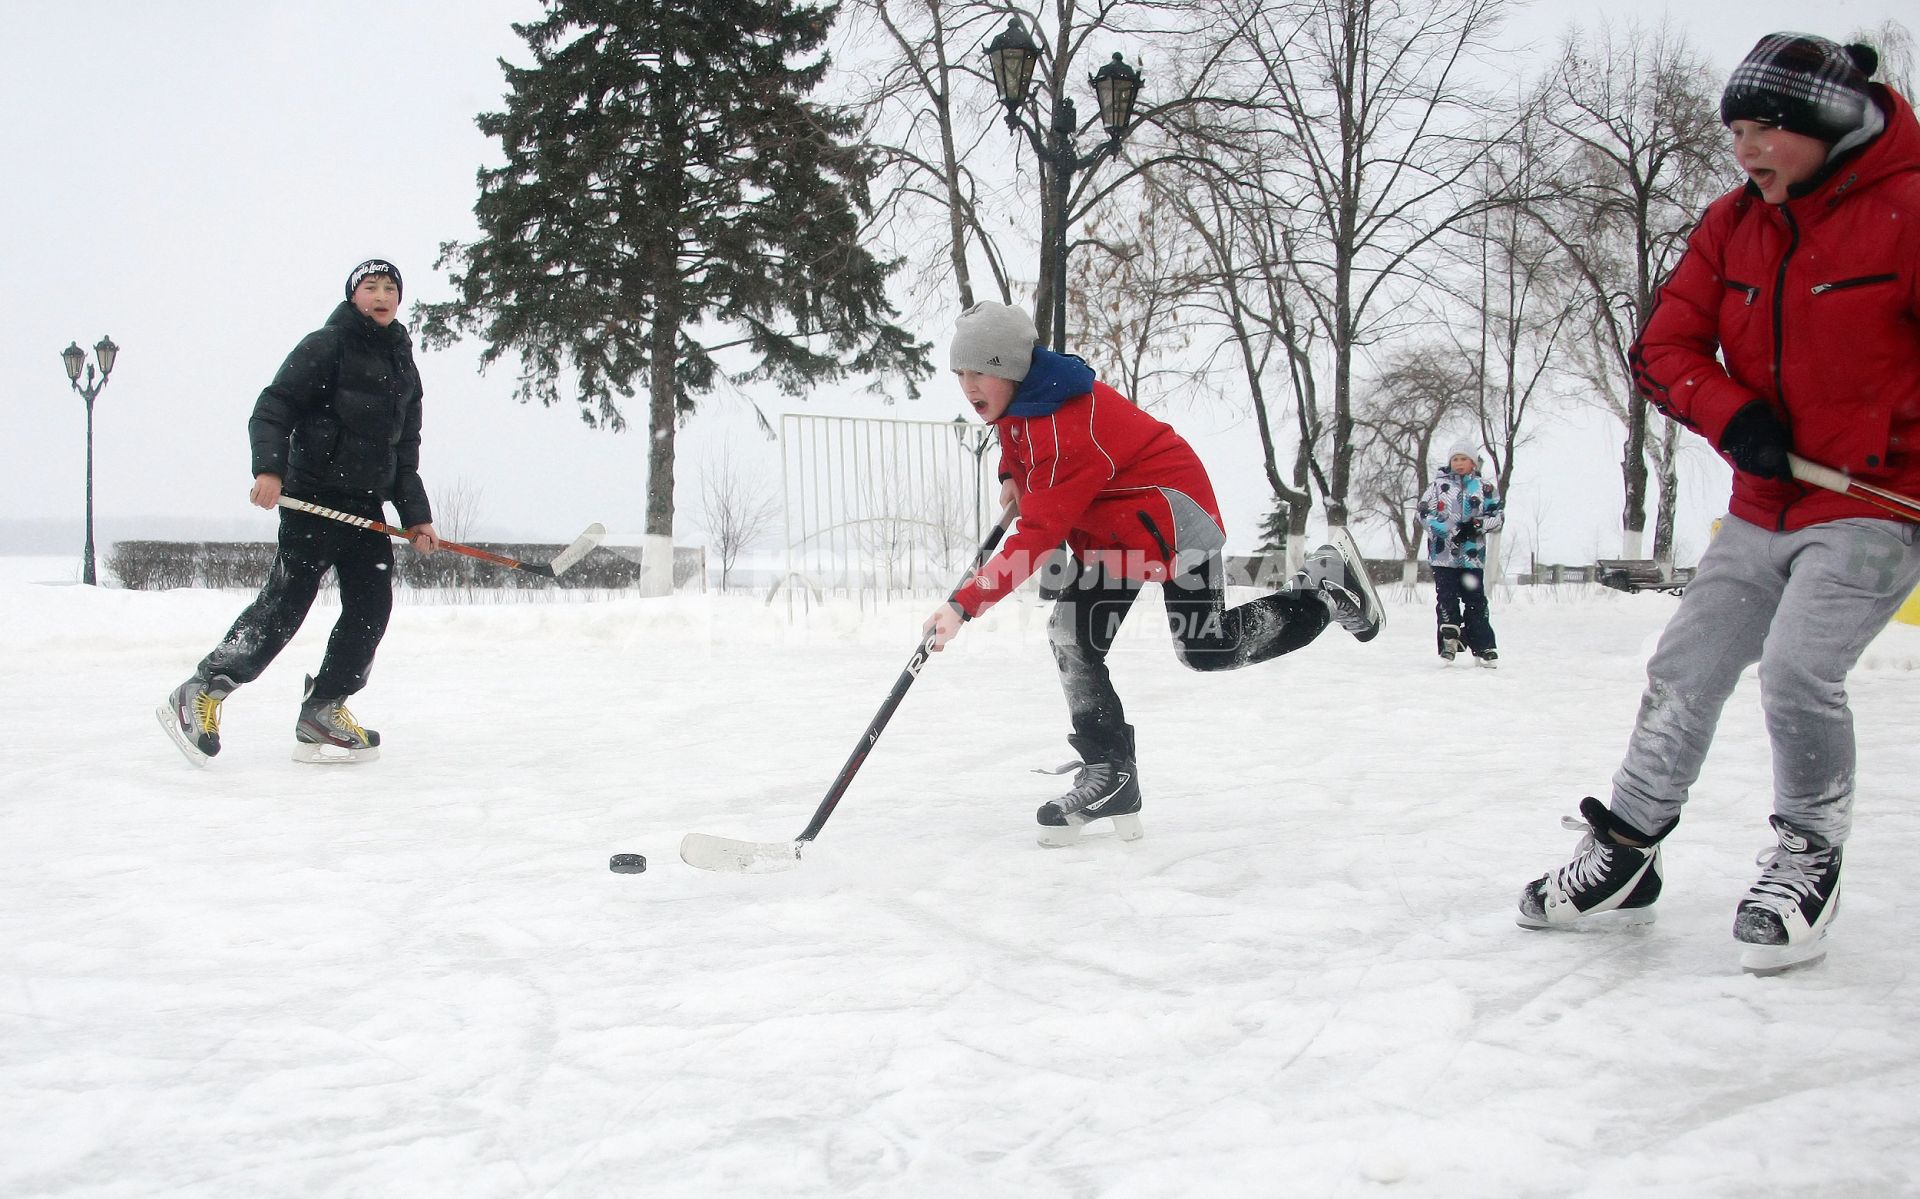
1131, 501
1792, 324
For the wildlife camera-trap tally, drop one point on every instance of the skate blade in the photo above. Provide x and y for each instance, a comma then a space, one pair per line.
1765, 960
1055, 836
333, 755
1609, 921
179, 739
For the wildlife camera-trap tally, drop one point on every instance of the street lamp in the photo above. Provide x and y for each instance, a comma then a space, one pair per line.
73, 357
975, 439
1116, 86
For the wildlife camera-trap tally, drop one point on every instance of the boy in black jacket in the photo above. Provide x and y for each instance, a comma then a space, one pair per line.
338, 426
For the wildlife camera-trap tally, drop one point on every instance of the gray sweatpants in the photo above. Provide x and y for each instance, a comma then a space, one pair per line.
1804, 605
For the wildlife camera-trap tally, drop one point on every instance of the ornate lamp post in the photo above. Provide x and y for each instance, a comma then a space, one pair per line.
1116, 86
975, 439
73, 357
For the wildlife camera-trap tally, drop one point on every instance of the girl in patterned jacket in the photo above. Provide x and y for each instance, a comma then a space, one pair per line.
1459, 509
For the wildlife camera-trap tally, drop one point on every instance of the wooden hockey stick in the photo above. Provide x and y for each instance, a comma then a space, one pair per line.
581, 546
1902, 506
768, 857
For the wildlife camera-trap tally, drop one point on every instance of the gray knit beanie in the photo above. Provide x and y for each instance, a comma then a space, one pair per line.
1463, 449
994, 339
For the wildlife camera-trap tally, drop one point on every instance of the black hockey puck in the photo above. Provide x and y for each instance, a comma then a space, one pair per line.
627, 863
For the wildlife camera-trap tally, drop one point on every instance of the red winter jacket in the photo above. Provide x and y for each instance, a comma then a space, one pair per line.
1119, 487
1814, 305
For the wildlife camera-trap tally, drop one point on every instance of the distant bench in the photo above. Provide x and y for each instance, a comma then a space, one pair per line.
1641, 574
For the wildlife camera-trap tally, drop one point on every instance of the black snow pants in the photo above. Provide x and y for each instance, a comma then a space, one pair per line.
309, 545
1460, 598
1207, 635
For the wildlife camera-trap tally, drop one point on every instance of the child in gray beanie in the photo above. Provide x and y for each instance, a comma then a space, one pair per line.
1133, 505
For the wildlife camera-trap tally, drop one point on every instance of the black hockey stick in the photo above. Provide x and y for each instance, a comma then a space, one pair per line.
581, 546
767, 857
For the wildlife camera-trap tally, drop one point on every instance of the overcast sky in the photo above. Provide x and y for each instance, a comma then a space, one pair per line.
195, 178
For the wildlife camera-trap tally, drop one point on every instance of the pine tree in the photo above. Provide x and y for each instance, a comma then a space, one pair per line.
672, 212
1275, 528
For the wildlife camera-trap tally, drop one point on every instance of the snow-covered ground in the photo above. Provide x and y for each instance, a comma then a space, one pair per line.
418, 977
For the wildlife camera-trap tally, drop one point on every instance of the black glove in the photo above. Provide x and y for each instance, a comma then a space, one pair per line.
1757, 442
1466, 531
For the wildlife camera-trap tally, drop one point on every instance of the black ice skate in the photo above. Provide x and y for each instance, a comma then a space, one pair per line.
1605, 883
326, 732
1450, 643
191, 716
1101, 791
1785, 918
1489, 659
1339, 574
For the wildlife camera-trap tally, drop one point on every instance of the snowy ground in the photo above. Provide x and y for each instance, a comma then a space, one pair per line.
417, 977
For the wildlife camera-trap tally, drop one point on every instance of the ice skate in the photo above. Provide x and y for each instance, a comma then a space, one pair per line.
1450, 643
1101, 791
326, 732
191, 716
1339, 574
1784, 920
1605, 883
1490, 659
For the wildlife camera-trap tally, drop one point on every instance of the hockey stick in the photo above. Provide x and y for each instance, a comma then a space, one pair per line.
768, 857
581, 546
1842, 482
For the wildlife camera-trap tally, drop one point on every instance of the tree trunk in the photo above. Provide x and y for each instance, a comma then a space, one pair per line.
1666, 515
1633, 477
656, 555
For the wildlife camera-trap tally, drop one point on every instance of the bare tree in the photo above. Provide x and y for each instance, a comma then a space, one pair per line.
456, 509
1505, 321
1381, 127
737, 511
1422, 389
1644, 154
933, 115
456, 517
1899, 57
1134, 287
1254, 311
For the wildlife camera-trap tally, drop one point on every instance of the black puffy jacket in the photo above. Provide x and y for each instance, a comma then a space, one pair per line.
343, 414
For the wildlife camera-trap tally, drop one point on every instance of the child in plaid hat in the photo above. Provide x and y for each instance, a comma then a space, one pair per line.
1790, 326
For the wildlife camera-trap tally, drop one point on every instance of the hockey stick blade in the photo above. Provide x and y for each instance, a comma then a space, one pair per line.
725, 855
581, 547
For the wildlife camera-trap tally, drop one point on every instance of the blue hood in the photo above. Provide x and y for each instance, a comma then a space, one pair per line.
1051, 381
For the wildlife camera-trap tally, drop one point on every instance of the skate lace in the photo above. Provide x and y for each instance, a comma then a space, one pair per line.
1793, 877
1346, 605
206, 710
1591, 858
1088, 785
343, 719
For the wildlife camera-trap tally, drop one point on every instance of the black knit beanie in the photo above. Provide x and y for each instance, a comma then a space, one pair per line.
1803, 84
374, 266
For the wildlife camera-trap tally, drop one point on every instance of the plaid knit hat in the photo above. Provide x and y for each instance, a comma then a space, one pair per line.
374, 266
1803, 84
